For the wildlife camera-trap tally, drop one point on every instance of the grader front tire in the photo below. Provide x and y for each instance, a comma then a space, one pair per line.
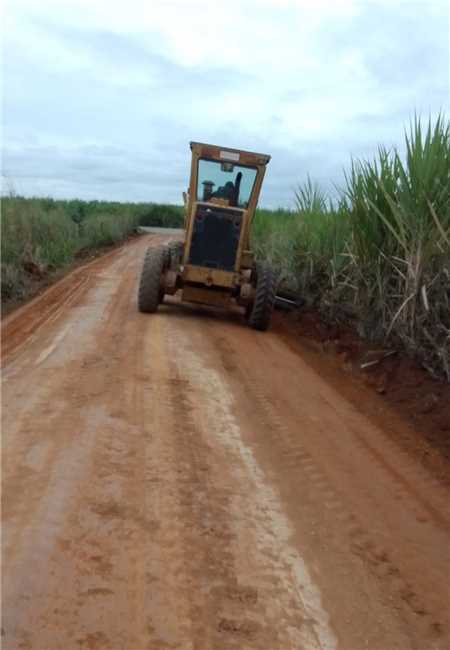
263, 304
150, 292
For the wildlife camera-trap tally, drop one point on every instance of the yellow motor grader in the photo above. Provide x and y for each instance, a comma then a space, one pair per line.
214, 265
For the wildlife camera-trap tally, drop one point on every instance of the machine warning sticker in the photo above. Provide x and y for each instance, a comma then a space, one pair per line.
229, 155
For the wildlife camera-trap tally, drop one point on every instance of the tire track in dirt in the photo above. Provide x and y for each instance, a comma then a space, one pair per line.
309, 458
45, 494
28, 321
281, 607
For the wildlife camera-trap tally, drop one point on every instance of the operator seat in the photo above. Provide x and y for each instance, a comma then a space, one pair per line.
226, 191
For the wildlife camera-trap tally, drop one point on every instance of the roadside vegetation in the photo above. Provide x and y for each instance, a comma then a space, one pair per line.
378, 256
40, 236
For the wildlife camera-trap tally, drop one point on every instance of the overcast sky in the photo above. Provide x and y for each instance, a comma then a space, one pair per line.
101, 98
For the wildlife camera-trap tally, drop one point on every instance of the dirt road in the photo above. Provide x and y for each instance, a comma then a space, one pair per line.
180, 481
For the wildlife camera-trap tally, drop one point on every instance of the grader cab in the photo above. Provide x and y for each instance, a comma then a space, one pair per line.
214, 265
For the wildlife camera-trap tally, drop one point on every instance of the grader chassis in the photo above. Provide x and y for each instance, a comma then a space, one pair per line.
214, 265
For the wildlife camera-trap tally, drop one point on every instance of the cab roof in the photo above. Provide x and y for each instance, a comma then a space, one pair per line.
229, 154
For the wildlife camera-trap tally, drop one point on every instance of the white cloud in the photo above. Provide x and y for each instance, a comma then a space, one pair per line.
310, 80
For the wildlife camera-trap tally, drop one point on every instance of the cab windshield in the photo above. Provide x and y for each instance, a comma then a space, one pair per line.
225, 182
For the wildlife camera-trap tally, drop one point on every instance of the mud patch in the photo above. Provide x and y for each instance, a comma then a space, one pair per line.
244, 629
94, 641
97, 591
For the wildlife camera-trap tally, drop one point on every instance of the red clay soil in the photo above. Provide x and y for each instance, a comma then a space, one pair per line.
178, 480
418, 405
39, 277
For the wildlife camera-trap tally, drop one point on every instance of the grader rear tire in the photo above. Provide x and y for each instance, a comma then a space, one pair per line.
150, 292
262, 309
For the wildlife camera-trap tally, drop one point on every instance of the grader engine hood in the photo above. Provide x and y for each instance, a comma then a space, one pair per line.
216, 233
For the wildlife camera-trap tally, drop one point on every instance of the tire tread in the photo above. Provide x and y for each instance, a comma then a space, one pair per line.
261, 312
149, 292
